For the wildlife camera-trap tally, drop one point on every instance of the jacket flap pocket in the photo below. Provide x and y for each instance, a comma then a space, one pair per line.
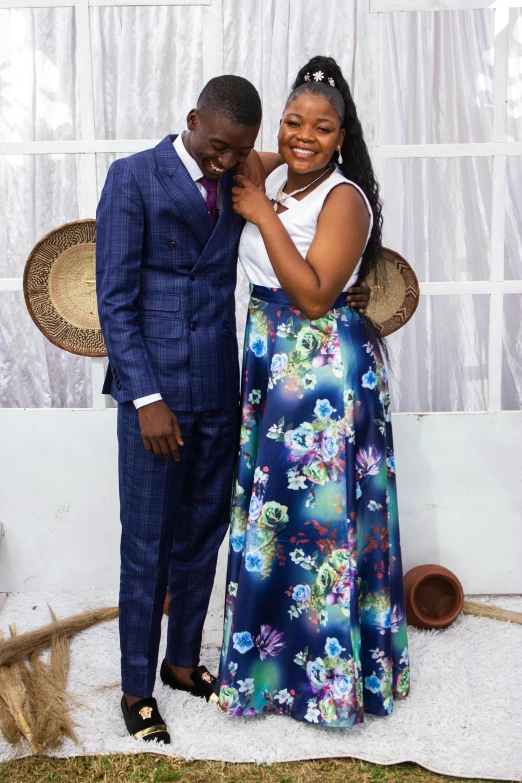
151, 300
161, 327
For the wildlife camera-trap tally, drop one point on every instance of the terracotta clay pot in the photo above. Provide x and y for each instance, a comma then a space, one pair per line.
433, 596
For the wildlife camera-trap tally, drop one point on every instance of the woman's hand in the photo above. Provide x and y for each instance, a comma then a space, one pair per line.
250, 202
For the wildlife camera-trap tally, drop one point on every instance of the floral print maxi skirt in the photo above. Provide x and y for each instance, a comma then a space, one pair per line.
315, 625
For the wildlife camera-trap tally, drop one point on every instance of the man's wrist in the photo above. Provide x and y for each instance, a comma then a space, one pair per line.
140, 402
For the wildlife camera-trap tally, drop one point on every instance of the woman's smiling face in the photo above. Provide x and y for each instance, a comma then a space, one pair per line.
309, 133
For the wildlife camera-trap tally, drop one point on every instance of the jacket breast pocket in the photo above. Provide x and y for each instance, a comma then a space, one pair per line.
160, 302
163, 328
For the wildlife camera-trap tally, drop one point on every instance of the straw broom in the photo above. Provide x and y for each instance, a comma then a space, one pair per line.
49, 698
19, 647
59, 672
51, 705
14, 693
495, 612
8, 725
40, 689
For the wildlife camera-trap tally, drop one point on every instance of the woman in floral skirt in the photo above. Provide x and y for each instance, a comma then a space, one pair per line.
315, 625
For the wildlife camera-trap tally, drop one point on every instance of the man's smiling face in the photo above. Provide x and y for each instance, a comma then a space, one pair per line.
216, 143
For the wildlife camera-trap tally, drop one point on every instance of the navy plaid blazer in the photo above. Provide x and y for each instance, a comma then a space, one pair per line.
165, 284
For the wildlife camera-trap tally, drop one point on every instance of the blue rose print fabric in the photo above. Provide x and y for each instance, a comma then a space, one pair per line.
315, 625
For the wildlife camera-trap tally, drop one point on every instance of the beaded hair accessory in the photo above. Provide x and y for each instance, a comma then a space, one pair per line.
318, 76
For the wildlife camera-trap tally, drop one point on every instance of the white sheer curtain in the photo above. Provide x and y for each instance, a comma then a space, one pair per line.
512, 361
435, 86
147, 68
37, 193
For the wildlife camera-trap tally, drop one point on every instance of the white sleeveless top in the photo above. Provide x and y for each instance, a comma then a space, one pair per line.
300, 220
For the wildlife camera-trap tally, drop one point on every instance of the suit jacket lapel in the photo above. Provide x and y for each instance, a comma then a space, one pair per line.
226, 214
180, 187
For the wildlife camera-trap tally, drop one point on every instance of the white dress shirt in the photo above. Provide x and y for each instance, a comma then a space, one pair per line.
196, 174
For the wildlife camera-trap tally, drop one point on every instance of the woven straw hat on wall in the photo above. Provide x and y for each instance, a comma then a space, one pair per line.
60, 288
395, 295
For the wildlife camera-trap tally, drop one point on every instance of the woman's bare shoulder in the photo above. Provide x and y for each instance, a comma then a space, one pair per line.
346, 201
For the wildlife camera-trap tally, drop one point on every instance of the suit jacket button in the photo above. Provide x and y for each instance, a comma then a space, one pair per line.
226, 324
193, 326
172, 245
192, 276
223, 276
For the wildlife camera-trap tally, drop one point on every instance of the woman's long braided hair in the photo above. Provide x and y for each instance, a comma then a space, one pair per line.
356, 164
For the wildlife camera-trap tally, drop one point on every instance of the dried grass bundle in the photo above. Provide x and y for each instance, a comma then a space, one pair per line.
50, 684
14, 694
51, 706
16, 698
495, 612
34, 702
8, 725
23, 646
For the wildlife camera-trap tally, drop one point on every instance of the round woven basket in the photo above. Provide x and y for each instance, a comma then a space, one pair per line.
394, 293
60, 288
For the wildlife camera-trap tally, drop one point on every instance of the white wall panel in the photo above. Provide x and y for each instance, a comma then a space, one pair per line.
460, 498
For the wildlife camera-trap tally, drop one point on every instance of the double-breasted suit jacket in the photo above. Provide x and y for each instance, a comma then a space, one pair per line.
166, 284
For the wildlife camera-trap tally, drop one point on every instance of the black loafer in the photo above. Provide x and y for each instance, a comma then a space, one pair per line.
143, 721
204, 682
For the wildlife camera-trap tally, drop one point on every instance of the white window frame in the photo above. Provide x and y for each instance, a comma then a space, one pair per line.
499, 149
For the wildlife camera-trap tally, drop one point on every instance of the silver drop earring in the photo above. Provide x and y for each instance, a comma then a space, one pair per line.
340, 157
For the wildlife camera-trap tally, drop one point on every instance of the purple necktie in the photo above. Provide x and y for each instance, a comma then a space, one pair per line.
211, 186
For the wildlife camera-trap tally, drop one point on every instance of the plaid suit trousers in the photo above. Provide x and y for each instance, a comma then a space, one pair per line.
174, 516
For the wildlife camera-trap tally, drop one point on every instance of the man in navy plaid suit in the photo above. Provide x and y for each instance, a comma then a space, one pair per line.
166, 256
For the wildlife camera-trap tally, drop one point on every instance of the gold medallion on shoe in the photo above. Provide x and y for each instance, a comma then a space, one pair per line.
203, 682
140, 715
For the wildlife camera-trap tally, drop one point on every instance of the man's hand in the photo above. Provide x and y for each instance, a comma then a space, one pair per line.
160, 430
254, 170
359, 296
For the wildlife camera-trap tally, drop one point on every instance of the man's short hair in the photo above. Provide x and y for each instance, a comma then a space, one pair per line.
232, 97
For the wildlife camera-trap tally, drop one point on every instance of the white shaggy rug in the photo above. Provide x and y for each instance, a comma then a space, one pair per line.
462, 718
